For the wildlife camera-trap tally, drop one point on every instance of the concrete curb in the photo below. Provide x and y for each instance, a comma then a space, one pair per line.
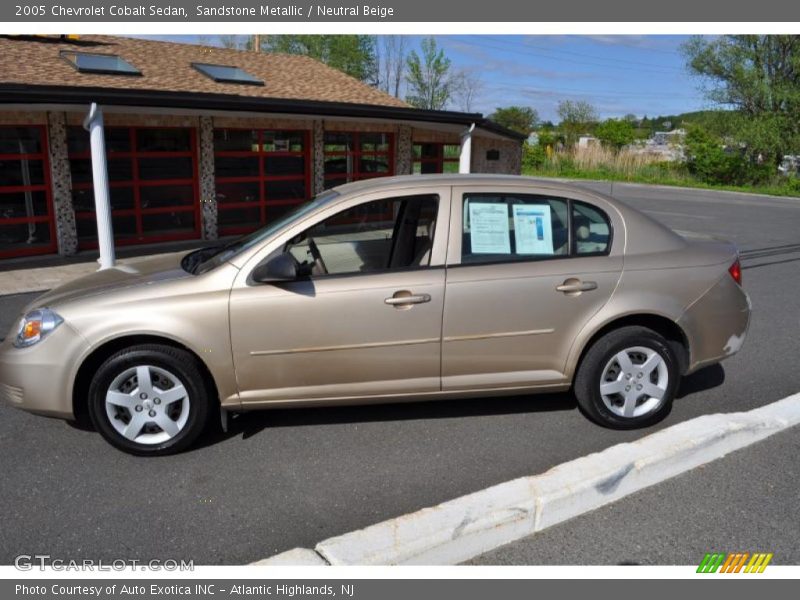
460, 529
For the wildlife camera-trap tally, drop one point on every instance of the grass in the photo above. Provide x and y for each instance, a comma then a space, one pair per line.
602, 164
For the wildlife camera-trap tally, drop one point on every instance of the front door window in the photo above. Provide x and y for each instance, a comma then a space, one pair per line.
393, 233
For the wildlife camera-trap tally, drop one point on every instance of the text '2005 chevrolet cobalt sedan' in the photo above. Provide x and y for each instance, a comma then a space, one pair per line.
406, 288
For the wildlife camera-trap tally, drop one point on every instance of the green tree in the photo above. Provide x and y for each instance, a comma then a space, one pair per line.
577, 116
759, 76
429, 78
522, 119
352, 54
616, 133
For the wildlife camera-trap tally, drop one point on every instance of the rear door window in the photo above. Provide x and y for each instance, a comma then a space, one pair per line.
513, 227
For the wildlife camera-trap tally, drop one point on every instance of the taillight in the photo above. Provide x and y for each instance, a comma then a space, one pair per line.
736, 271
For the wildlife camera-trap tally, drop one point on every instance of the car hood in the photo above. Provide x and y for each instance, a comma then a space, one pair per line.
133, 272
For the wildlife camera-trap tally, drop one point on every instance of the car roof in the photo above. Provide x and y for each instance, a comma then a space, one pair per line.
411, 181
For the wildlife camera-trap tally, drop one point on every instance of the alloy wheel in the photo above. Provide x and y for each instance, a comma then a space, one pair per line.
634, 382
147, 404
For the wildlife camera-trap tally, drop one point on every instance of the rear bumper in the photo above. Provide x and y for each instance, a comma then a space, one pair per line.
716, 324
39, 379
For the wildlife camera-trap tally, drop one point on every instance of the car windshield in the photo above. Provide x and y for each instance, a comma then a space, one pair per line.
205, 259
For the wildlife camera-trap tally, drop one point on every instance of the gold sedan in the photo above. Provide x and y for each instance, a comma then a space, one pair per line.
398, 289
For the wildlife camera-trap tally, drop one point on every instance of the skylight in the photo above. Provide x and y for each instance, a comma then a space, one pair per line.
107, 64
227, 74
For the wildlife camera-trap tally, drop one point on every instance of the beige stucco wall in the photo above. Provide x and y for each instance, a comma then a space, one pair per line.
113, 119
435, 137
23, 118
509, 161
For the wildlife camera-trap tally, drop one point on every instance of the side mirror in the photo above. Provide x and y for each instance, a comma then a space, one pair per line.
280, 268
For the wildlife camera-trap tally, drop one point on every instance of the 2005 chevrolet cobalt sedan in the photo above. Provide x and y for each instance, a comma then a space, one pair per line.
409, 288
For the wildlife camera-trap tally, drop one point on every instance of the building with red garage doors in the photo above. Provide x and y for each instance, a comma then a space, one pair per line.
201, 142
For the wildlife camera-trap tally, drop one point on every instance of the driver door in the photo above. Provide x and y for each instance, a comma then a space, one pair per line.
365, 316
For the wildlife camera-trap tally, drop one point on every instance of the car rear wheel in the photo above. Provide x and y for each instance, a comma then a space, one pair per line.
628, 379
149, 400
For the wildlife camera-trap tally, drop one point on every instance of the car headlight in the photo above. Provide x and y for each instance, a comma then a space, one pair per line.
35, 326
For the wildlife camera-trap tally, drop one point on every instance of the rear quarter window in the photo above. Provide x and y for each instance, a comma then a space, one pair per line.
591, 229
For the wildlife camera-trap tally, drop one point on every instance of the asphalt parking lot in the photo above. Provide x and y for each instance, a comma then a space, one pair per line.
290, 478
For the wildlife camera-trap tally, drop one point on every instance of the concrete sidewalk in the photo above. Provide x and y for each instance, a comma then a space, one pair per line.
42, 278
41, 273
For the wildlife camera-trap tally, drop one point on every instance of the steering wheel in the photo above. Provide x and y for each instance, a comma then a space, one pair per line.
315, 253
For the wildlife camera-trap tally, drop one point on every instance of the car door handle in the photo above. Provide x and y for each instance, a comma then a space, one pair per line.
576, 286
404, 299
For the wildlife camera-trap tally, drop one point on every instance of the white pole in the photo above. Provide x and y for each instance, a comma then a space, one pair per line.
93, 123
465, 157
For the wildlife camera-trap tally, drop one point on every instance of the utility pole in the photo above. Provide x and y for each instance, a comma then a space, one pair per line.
256, 43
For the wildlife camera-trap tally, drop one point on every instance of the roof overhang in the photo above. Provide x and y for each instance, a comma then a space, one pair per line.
16, 93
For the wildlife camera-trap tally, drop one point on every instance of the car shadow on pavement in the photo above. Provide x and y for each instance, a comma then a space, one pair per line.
699, 381
252, 423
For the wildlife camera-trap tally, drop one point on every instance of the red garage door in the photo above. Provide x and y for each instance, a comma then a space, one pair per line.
26, 207
153, 178
351, 156
261, 174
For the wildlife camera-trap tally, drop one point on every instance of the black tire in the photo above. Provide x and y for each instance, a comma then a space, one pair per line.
173, 360
590, 371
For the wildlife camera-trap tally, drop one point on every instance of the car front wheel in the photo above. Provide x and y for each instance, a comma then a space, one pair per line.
628, 379
149, 400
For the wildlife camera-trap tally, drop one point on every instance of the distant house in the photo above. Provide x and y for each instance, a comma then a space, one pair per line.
790, 164
201, 142
664, 145
587, 141
668, 138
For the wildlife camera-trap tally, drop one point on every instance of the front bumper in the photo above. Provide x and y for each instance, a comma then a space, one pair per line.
39, 379
716, 324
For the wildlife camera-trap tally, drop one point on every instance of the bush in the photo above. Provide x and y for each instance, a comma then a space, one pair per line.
705, 156
712, 163
533, 157
548, 138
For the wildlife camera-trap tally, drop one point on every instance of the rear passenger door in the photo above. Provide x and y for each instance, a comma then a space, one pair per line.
527, 269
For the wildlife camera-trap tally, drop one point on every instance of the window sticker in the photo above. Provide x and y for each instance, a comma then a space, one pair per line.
533, 228
489, 233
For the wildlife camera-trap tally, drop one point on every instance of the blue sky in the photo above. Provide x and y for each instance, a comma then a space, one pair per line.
618, 74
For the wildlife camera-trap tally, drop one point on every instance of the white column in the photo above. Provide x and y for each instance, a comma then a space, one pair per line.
93, 123
465, 157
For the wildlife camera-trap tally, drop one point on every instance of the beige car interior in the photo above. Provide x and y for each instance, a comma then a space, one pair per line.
394, 233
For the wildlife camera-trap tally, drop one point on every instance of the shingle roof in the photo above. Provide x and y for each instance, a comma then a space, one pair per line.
166, 66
